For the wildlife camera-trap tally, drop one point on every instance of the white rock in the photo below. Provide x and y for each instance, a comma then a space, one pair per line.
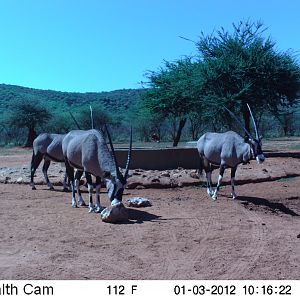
20, 180
138, 202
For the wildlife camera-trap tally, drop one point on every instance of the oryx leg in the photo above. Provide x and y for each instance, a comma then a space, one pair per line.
208, 172
35, 162
78, 175
45, 170
210, 191
70, 173
66, 183
222, 169
98, 207
90, 189
233, 194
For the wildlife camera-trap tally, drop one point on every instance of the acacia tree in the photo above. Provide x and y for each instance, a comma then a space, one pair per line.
28, 114
244, 67
170, 93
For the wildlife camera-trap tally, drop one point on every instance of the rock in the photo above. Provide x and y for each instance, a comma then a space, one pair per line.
177, 175
138, 202
114, 213
136, 173
194, 175
155, 179
165, 174
140, 187
19, 180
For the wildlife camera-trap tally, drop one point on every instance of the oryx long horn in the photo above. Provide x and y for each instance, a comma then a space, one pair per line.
112, 150
254, 124
92, 117
239, 122
74, 120
129, 155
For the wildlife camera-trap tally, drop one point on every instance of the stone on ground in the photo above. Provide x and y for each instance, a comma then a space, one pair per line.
114, 213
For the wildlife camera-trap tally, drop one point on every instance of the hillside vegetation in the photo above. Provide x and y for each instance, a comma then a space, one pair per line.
112, 106
120, 109
118, 101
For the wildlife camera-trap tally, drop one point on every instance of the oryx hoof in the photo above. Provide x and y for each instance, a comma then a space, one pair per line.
33, 188
233, 195
98, 209
74, 204
91, 209
51, 188
214, 197
209, 193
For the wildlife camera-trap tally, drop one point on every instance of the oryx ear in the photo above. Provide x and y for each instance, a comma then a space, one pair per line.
246, 138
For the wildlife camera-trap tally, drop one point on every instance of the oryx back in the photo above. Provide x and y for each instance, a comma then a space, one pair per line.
226, 148
54, 150
87, 150
49, 144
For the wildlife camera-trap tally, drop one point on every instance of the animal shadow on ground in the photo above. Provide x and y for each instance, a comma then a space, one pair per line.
140, 216
245, 200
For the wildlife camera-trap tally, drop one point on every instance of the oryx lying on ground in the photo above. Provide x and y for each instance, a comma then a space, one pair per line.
227, 150
87, 151
47, 146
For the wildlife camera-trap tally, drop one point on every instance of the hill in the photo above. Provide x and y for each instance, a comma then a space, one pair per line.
118, 101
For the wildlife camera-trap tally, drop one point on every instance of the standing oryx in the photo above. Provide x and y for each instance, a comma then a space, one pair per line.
227, 150
87, 151
47, 146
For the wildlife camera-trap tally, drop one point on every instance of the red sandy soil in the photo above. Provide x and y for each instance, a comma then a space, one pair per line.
183, 235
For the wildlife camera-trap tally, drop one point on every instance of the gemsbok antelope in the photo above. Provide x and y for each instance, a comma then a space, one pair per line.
228, 150
47, 146
87, 151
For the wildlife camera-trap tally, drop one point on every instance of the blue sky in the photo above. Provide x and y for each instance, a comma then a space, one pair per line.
104, 45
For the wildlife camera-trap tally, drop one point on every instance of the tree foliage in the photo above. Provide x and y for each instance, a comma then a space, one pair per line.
170, 92
231, 69
245, 67
28, 114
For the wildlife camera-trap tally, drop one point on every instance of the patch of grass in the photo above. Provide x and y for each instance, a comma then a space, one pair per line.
295, 147
200, 186
285, 179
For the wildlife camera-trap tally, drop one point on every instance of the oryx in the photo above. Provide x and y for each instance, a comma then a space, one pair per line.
47, 146
87, 151
228, 150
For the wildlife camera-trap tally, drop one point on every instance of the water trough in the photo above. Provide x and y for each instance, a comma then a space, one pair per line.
159, 159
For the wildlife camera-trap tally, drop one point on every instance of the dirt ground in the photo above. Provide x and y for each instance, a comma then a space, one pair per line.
183, 235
